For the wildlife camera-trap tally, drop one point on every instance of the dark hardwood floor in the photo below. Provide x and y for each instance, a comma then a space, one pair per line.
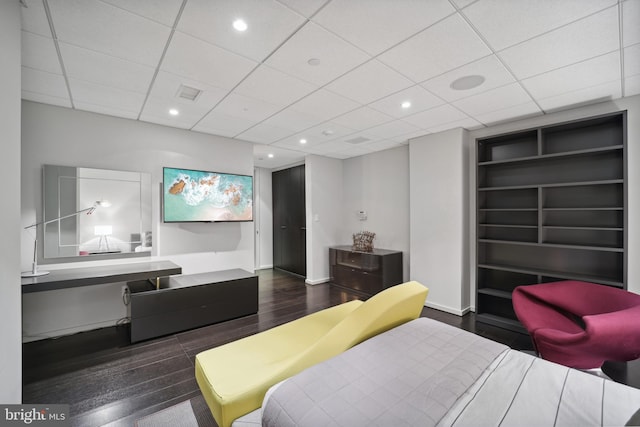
108, 381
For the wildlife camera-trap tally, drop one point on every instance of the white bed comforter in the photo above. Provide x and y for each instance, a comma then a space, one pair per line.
426, 373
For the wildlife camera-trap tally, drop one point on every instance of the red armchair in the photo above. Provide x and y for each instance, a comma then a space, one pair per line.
580, 324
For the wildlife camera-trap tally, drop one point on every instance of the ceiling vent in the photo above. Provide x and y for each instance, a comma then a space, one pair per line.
188, 92
358, 140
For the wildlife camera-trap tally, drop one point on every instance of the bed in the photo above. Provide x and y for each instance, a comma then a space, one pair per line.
427, 373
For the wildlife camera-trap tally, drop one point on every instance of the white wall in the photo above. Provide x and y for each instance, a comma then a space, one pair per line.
325, 214
632, 105
438, 218
378, 183
55, 135
264, 218
10, 317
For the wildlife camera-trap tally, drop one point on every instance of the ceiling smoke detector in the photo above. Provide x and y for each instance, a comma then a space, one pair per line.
188, 92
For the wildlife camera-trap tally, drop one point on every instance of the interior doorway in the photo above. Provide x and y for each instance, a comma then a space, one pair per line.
289, 221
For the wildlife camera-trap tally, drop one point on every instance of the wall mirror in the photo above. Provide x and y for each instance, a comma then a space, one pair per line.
90, 213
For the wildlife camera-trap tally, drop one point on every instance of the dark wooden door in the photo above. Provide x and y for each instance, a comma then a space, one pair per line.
289, 221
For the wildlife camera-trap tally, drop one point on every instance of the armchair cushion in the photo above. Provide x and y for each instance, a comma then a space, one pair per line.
580, 324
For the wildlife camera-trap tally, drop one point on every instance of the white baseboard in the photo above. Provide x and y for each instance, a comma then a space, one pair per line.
456, 311
264, 267
317, 281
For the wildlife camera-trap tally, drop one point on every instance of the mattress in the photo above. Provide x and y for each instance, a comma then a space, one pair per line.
426, 373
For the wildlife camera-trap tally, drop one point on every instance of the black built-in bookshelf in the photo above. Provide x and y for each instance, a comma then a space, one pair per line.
551, 205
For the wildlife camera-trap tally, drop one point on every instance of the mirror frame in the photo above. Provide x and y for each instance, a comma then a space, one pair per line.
50, 204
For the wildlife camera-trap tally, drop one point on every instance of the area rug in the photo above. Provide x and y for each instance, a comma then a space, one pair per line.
190, 413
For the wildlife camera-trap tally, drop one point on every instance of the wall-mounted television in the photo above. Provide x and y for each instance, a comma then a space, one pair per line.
201, 196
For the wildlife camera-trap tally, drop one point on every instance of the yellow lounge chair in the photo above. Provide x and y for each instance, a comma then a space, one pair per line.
235, 377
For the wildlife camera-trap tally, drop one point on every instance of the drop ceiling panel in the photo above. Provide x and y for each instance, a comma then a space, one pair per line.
45, 99
599, 93
244, 107
99, 95
161, 11
631, 22
370, 81
263, 133
292, 120
89, 65
108, 29
430, 53
40, 53
391, 129
493, 100
269, 24
377, 25
324, 105
362, 118
512, 113
490, 68
274, 86
593, 72
436, 116
467, 123
329, 147
163, 97
462, 3
44, 83
506, 23
592, 36
157, 111
114, 111
306, 8
350, 152
324, 132
167, 85
34, 18
383, 145
404, 138
313, 42
198, 60
223, 124
420, 99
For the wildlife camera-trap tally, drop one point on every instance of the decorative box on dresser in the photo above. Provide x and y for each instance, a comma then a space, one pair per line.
551, 205
367, 272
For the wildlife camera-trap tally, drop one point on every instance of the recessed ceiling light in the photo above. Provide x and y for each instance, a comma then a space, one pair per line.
303, 141
270, 155
327, 132
467, 82
174, 112
406, 104
313, 62
240, 25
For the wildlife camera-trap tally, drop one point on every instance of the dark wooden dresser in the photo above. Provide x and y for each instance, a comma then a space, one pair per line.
367, 272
